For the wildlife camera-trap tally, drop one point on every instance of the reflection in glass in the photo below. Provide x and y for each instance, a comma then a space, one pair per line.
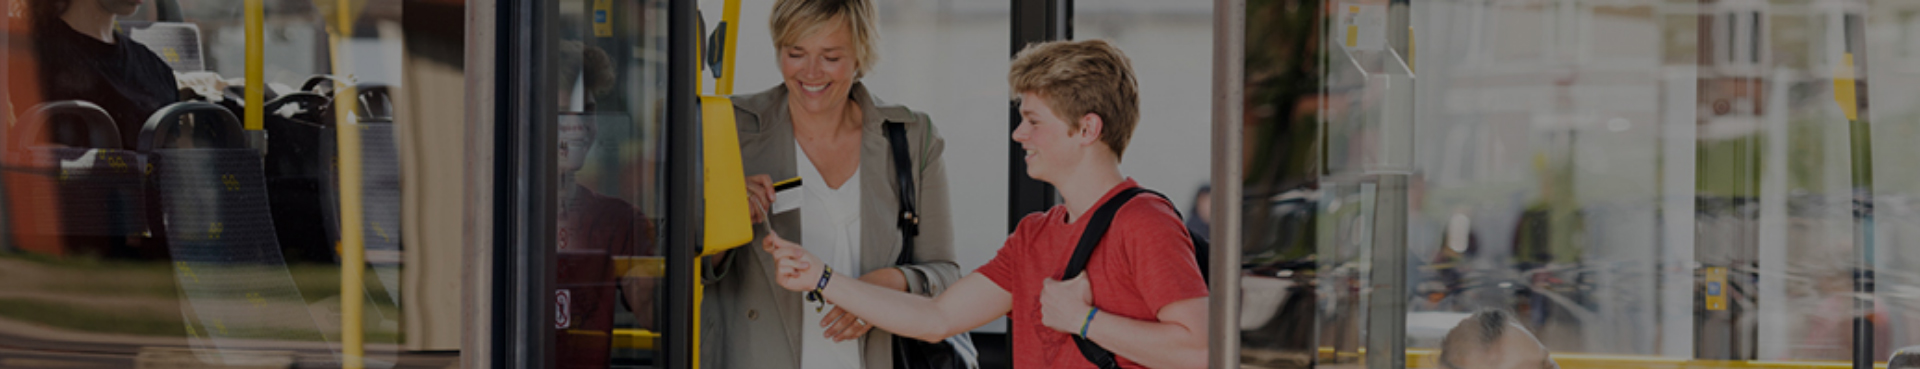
1677, 181
610, 87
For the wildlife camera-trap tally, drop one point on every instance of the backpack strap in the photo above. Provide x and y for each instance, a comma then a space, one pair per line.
909, 220
1089, 238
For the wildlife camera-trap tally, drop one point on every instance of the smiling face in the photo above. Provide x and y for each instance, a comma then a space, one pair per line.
1053, 145
820, 68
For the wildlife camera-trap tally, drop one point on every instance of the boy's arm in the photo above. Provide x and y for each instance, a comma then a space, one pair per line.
1178, 340
971, 302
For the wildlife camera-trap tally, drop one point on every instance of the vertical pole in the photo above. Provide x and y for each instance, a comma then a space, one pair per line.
730, 15
1387, 299
1034, 21
683, 182
483, 297
256, 86
1229, 81
1861, 134
352, 246
524, 205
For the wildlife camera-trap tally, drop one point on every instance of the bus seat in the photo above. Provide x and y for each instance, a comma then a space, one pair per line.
177, 43
220, 233
73, 194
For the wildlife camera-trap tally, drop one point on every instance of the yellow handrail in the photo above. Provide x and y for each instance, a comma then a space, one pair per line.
730, 13
353, 254
256, 49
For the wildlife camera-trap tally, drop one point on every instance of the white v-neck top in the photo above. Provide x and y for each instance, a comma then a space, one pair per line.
831, 218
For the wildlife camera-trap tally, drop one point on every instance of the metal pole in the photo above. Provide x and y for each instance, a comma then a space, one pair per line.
683, 181
1387, 299
1861, 152
482, 295
255, 86
353, 257
1229, 82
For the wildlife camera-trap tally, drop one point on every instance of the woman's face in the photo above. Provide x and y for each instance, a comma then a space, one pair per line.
819, 69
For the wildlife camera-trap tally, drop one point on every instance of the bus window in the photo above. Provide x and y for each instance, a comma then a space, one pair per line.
148, 222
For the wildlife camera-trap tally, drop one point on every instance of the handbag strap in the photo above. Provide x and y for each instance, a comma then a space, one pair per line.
909, 220
1089, 238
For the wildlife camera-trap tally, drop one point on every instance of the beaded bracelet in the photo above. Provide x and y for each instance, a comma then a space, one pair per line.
1088, 322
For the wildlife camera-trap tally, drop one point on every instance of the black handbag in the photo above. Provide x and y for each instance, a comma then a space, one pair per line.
955, 352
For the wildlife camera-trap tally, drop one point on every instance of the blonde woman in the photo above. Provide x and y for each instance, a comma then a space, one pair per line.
821, 124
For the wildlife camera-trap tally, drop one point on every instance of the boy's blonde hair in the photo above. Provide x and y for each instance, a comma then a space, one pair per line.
795, 19
1082, 77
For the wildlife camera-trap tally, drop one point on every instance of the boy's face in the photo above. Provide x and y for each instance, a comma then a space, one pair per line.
1052, 145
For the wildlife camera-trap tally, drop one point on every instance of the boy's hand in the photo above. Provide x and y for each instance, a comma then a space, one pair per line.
796, 269
1064, 305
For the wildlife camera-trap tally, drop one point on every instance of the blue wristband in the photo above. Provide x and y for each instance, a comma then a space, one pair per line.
1088, 322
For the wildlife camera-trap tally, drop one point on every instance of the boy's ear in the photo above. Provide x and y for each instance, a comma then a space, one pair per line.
1090, 127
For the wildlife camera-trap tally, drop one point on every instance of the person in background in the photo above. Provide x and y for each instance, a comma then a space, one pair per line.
82, 56
1493, 339
1141, 296
1200, 218
595, 229
821, 124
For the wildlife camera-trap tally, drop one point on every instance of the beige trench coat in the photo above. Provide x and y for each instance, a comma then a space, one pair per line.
748, 321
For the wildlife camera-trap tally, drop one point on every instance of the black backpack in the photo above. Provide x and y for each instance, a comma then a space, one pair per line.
1097, 228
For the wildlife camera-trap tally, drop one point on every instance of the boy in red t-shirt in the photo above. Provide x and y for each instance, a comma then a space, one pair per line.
1141, 297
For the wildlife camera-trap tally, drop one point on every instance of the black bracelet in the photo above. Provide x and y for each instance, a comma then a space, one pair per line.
818, 294
824, 276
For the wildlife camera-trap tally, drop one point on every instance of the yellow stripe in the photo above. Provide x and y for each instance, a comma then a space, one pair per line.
1843, 87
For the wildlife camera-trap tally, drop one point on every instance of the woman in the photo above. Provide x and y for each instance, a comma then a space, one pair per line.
823, 126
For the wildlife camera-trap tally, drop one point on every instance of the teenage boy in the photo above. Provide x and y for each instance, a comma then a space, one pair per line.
1141, 296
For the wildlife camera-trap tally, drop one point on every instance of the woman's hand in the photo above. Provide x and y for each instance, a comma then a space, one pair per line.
796, 269
1064, 305
760, 196
842, 325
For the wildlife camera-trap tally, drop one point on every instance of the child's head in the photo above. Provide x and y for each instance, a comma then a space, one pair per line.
1081, 78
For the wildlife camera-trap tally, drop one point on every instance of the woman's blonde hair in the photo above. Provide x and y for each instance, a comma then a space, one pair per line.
795, 19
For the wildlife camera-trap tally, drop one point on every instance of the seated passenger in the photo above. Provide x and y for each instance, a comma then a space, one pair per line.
82, 57
1493, 339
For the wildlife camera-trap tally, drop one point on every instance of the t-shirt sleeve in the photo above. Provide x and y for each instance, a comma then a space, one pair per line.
1002, 269
1160, 252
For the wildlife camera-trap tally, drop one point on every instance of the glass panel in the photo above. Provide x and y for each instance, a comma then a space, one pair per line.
611, 78
1635, 180
187, 246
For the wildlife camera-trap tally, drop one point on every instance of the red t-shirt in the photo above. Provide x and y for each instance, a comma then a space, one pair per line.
1144, 263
